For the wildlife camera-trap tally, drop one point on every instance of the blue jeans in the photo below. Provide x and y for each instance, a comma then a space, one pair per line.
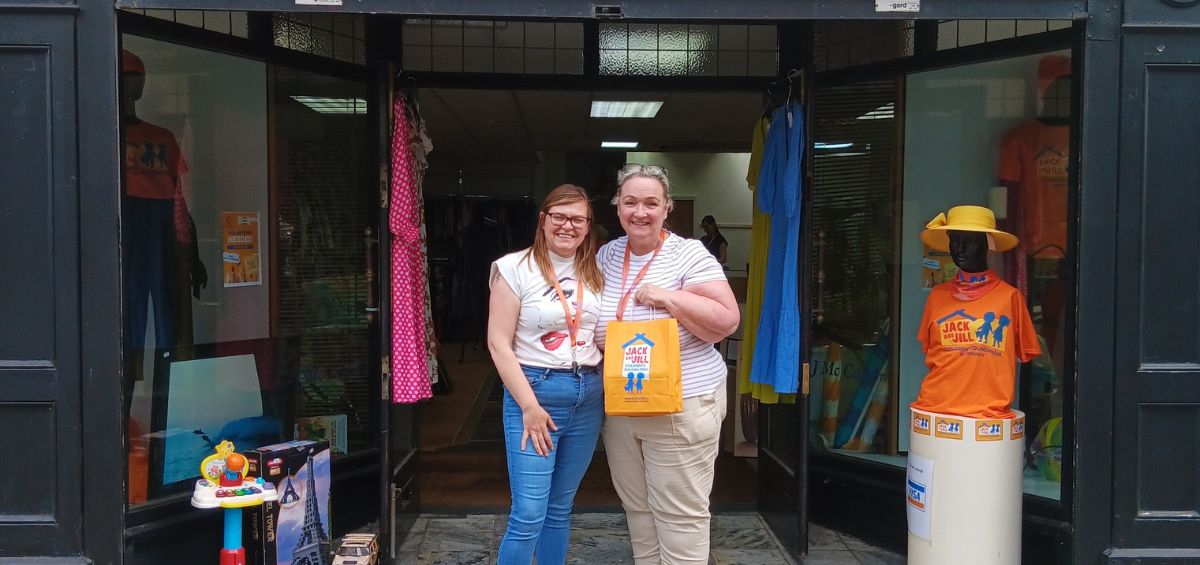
543, 488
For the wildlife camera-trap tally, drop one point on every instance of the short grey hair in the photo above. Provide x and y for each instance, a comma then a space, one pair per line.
633, 170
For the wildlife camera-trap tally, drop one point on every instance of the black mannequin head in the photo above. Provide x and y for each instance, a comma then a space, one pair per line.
968, 250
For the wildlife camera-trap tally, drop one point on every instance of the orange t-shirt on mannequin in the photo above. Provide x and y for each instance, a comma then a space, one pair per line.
972, 348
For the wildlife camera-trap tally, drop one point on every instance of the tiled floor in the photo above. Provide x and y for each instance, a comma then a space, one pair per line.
601, 538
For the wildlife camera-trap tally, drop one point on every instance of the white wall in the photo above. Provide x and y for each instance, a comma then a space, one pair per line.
717, 184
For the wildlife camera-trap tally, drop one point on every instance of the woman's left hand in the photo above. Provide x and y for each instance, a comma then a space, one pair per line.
653, 296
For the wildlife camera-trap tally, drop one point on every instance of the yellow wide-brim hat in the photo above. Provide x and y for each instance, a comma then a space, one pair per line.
966, 218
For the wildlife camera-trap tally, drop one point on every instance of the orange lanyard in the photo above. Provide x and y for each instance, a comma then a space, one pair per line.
572, 325
662, 236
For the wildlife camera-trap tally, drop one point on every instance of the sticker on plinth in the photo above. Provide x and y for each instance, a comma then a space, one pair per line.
920, 423
989, 430
948, 428
919, 479
1018, 428
635, 365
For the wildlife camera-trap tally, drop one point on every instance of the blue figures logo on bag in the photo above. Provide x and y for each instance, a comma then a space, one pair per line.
635, 362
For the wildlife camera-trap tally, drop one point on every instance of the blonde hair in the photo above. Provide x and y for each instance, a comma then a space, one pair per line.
586, 267
633, 170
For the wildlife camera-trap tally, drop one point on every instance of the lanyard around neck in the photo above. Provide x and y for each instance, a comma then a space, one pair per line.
572, 325
662, 236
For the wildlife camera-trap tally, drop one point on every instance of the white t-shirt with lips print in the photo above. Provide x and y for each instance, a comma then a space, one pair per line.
542, 338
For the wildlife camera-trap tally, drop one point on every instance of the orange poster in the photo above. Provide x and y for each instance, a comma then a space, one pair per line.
239, 251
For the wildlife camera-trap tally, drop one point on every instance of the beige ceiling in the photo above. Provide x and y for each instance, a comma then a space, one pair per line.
477, 124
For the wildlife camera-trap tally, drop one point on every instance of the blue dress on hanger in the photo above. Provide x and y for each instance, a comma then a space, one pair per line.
776, 359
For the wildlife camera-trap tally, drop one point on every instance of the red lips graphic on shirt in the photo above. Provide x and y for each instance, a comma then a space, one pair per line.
553, 340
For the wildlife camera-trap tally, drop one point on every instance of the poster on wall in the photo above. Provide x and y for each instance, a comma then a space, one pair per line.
240, 249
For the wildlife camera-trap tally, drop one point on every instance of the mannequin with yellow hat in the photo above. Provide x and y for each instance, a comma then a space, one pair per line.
966, 442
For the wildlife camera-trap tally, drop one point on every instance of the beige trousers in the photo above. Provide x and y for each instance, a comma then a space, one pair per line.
662, 468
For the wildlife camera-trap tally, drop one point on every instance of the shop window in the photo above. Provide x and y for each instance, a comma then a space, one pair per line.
243, 260
333, 36
653, 49
230, 22
994, 134
961, 33
486, 46
855, 163
838, 45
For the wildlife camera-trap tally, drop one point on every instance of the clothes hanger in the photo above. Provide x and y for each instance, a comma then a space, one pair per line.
769, 100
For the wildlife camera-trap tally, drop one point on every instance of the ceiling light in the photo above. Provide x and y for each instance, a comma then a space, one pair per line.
333, 105
885, 112
822, 145
625, 108
618, 144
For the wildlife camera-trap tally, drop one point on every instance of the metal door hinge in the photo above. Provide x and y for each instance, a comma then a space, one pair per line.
804, 379
385, 377
383, 185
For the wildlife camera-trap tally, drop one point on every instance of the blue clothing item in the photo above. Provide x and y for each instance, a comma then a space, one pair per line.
543, 488
148, 232
776, 360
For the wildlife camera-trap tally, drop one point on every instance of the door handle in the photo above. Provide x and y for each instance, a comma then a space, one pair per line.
804, 379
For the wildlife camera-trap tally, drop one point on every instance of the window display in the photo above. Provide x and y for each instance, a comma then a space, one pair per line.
994, 134
243, 259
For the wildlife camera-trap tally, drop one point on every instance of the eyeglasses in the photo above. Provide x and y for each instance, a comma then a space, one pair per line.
577, 222
638, 168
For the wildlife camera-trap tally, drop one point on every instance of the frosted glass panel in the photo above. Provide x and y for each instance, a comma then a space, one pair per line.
762, 38
733, 37
702, 63
477, 59
672, 37
1001, 29
417, 32
447, 32
568, 35
763, 64
614, 36
447, 59
703, 37
509, 60
672, 63
417, 58
731, 63
643, 36
643, 63
510, 34
477, 34
568, 61
539, 34
539, 61
613, 62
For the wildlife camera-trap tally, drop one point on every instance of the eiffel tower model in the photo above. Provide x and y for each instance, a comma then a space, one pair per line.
313, 544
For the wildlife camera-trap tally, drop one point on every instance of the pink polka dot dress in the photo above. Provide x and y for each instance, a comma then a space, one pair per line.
410, 368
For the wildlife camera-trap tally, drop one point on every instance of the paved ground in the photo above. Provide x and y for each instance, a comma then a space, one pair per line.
601, 538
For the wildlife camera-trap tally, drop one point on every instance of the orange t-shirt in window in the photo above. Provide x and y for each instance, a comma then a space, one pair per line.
153, 161
972, 349
1034, 158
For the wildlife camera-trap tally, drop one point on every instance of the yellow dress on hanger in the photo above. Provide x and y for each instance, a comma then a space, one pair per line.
760, 243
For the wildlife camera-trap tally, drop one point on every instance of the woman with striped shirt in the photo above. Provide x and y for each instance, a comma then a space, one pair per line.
662, 466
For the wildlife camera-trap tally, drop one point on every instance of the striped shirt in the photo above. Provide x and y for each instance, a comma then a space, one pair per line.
681, 263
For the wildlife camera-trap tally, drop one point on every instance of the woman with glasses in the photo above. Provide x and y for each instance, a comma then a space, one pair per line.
662, 466
544, 305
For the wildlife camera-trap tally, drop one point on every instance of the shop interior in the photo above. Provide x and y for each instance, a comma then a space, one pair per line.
287, 321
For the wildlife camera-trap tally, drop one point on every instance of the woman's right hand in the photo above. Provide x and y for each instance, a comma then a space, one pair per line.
538, 425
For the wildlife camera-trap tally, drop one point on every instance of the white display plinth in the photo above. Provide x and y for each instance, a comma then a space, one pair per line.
964, 490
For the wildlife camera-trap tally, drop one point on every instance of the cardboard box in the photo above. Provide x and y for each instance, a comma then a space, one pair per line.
295, 530
331, 428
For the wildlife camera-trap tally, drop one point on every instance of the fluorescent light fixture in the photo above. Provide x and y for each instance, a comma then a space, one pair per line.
822, 145
885, 112
618, 144
625, 108
333, 105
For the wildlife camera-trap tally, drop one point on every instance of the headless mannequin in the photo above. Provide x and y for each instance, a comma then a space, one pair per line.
171, 267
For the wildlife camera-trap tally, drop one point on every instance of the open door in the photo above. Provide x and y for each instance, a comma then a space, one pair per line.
398, 423
783, 426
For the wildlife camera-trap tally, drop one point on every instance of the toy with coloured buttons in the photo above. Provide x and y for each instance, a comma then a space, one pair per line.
225, 485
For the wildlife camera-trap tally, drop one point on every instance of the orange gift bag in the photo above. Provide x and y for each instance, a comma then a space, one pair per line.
641, 360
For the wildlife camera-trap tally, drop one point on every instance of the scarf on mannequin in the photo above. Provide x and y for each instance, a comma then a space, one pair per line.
973, 286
